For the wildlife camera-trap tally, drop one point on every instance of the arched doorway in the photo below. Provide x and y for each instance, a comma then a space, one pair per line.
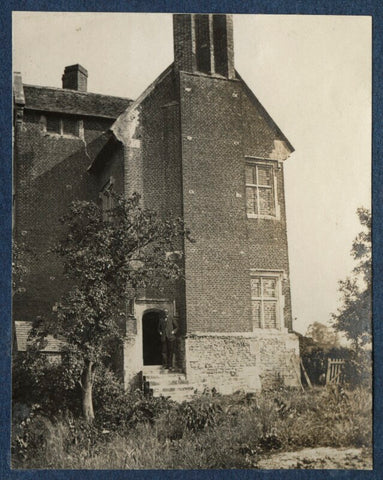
151, 341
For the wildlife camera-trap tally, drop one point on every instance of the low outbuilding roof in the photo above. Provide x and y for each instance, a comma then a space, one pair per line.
22, 331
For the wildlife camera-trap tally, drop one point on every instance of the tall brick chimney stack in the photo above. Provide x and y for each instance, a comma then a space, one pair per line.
75, 78
204, 43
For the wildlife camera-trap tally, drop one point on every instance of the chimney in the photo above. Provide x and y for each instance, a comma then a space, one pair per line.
18, 89
204, 43
75, 78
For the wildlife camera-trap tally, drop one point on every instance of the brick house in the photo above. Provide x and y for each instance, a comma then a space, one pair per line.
198, 144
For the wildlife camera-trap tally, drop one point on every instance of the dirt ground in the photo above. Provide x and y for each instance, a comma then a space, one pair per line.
320, 458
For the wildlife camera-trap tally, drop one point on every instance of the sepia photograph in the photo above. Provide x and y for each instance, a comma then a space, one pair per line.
191, 253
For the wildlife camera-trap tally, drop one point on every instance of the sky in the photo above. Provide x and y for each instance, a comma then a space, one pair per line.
311, 73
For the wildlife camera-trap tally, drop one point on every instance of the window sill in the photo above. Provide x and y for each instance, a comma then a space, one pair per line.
269, 331
59, 135
263, 217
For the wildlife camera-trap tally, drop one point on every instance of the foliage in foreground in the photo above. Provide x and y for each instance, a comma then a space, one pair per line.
357, 369
106, 256
212, 431
353, 318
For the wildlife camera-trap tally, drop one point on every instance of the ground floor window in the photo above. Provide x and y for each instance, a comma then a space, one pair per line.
266, 300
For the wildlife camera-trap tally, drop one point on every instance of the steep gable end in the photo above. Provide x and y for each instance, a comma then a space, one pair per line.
124, 127
263, 138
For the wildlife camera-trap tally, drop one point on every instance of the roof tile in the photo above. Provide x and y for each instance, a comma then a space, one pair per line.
73, 102
22, 330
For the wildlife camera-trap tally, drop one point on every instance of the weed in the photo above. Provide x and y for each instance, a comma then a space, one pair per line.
212, 431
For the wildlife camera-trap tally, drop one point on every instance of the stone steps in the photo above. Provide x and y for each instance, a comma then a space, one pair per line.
168, 384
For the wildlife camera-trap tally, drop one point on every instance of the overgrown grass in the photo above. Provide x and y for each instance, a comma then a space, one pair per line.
208, 432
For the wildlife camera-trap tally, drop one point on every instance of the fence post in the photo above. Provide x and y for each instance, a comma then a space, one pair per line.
328, 373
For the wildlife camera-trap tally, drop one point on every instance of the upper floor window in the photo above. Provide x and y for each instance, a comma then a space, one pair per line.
265, 300
260, 190
53, 124
64, 126
70, 126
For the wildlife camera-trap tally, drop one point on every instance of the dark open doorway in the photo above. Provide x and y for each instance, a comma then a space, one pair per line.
151, 338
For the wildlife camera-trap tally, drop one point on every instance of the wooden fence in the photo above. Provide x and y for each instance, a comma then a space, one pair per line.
335, 367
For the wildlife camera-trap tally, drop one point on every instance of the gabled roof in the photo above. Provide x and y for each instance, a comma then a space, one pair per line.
22, 330
60, 100
264, 112
122, 128
119, 126
119, 131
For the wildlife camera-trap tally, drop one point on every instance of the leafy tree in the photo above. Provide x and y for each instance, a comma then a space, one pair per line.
354, 316
322, 334
107, 256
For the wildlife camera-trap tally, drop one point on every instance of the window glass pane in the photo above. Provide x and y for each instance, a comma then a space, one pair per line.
260, 199
266, 201
43, 122
269, 287
255, 287
53, 124
264, 175
250, 174
270, 314
70, 126
256, 314
251, 200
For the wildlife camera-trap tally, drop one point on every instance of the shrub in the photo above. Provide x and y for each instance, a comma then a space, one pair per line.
37, 381
38, 441
200, 415
193, 416
315, 359
126, 410
212, 431
358, 370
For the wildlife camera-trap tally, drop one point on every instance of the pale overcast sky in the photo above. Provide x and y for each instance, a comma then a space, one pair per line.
311, 73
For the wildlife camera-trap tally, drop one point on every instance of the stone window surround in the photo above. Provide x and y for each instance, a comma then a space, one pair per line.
60, 133
279, 276
274, 164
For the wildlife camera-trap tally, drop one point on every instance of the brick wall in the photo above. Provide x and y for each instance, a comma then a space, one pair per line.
50, 171
221, 126
267, 246
217, 283
204, 43
183, 49
152, 167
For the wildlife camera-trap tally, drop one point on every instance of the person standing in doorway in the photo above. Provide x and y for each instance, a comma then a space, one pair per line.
167, 328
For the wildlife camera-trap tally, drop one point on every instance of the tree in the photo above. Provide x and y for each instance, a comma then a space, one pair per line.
323, 335
107, 259
354, 316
